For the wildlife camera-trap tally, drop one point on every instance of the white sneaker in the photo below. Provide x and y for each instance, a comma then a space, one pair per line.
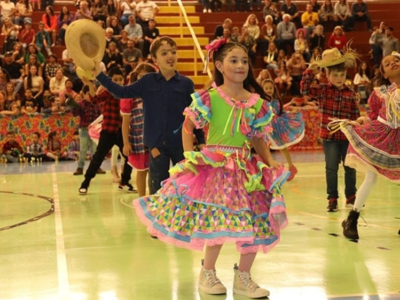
245, 286
204, 10
209, 282
209, 10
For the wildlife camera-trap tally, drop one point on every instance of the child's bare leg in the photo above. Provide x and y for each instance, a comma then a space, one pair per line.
210, 257
287, 156
246, 262
141, 179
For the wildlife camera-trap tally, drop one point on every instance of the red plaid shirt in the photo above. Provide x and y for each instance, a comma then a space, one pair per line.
112, 119
334, 103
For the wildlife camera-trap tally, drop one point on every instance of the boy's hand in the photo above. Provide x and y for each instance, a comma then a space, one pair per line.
96, 70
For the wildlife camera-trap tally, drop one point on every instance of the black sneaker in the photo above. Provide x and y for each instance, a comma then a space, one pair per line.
127, 188
350, 201
332, 205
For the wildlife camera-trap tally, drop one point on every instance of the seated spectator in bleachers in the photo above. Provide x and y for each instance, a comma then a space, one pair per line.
343, 14
46, 108
7, 9
39, 56
13, 111
98, 10
33, 61
68, 63
283, 79
35, 149
18, 53
12, 150
389, 43
112, 57
375, 42
268, 33
10, 32
289, 8
128, 8
296, 66
10, 96
111, 13
328, 13
49, 20
219, 30
151, 33
67, 92
27, 35
216, 5
309, 20
241, 5
252, 27
317, 38
131, 57
316, 7
14, 69
362, 82
359, 11
83, 12
135, 33
116, 27
301, 44
56, 107
29, 105
235, 35
4, 79
249, 43
110, 36
145, 11
43, 39
122, 44
263, 75
337, 39
50, 68
270, 10
23, 11
286, 33
316, 54
57, 82
64, 19
271, 58
35, 83
2, 104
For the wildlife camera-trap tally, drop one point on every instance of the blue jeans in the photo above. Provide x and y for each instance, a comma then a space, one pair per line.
335, 152
159, 166
84, 143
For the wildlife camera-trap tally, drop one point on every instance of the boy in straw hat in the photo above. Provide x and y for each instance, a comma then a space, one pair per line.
336, 101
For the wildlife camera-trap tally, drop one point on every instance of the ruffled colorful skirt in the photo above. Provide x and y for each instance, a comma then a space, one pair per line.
215, 196
288, 130
374, 146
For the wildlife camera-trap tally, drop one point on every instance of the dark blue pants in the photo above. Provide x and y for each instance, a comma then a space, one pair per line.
159, 166
335, 152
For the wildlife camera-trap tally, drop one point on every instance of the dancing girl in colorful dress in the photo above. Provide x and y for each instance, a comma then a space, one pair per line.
223, 193
374, 147
287, 127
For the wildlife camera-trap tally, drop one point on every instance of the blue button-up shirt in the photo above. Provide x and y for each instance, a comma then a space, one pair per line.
163, 105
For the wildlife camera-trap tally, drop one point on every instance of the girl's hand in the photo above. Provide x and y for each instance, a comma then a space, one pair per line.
127, 150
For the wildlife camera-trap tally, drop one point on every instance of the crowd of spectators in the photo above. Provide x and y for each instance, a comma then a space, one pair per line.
35, 80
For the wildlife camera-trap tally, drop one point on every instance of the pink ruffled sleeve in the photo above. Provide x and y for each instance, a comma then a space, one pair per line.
199, 112
126, 106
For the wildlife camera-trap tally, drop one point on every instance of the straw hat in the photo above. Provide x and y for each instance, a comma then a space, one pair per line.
86, 43
333, 57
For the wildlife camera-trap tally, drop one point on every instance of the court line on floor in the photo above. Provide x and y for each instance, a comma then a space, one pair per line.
62, 268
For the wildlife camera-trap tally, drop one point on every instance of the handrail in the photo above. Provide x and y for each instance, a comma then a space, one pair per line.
194, 37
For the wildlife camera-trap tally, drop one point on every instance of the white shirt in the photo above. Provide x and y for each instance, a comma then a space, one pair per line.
145, 10
6, 8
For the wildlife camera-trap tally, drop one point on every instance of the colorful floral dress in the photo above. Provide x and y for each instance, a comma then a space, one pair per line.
375, 146
223, 193
287, 129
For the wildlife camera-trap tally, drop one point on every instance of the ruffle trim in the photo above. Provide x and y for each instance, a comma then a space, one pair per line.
255, 182
275, 146
250, 102
199, 110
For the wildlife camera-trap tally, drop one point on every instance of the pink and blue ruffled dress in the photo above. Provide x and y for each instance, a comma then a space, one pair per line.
375, 145
287, 128
223, 193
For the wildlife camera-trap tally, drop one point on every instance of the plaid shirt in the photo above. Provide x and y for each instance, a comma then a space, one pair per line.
112, 119
35, 149
51, 70
334, 103
87, 112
